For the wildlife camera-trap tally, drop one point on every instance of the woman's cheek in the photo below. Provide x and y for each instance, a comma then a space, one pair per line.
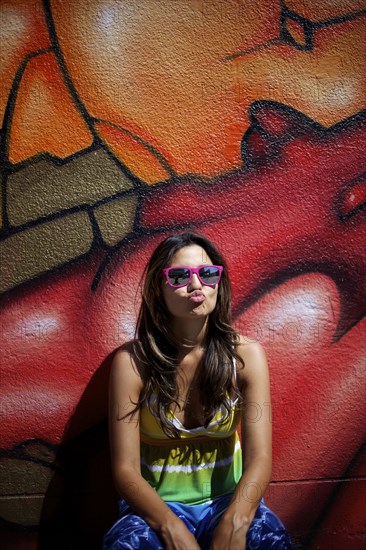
174, 301
214, 302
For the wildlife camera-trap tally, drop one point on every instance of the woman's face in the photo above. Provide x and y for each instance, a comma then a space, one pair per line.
196, 299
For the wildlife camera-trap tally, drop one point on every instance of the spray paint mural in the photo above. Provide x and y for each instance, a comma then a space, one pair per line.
126, 121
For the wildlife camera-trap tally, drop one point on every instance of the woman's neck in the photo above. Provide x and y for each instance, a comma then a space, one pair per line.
190, 335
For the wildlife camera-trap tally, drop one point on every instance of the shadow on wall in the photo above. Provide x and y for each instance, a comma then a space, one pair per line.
81, 503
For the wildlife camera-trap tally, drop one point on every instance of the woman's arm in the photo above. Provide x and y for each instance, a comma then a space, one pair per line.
125, 388
257, 449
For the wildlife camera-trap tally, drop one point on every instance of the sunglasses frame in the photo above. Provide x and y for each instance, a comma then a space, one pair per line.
192, 271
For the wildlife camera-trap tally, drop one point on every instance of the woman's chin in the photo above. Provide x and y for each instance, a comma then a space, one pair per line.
200, 310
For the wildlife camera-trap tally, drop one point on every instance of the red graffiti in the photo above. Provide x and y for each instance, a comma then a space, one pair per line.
292, 227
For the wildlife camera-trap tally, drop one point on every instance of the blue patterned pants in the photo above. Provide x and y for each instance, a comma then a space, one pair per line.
131, 532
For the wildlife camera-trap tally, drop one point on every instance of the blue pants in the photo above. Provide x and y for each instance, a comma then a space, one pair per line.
131, 532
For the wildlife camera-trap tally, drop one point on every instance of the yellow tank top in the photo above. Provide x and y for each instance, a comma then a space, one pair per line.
204, 463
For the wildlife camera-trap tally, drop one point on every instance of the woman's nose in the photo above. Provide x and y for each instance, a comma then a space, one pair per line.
195, 283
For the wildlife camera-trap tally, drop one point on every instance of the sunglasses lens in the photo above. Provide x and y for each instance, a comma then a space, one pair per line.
210, 275
178, 276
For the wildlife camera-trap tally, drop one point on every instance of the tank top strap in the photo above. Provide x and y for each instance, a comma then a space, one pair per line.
235, 374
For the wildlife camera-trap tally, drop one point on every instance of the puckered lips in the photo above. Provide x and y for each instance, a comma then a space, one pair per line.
196, 296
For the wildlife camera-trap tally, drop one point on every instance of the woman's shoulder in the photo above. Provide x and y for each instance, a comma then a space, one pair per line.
254, 358
126, 363
125, 352
247, 345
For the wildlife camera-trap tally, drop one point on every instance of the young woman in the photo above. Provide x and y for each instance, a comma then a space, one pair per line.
177, 394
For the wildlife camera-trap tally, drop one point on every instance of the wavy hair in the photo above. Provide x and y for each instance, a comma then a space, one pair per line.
156, 348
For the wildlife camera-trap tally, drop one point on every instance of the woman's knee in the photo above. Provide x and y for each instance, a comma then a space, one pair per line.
131, 532
267, 531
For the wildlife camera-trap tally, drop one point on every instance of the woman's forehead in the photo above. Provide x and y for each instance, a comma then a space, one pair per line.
191, 255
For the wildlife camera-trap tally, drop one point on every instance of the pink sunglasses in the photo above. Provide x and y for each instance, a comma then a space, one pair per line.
179, 276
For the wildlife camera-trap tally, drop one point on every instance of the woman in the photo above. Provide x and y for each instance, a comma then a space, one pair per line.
177, 394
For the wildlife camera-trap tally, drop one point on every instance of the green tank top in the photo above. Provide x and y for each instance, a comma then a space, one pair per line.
203, 464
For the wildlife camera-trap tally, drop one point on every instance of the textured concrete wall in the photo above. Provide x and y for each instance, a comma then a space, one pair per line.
123, 122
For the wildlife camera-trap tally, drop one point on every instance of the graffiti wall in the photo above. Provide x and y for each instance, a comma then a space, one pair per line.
123, 122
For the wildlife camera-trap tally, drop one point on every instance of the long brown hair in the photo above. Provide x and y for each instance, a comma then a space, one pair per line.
156, 348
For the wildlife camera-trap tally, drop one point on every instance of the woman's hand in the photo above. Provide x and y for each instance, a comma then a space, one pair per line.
231, 532
176, 535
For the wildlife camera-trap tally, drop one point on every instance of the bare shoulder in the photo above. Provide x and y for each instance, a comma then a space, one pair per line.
248, 347
255, 360
125, 367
